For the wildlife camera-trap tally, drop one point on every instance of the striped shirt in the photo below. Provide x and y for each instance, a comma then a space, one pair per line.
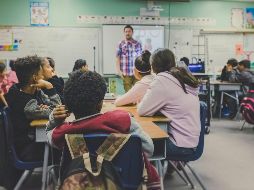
128, 51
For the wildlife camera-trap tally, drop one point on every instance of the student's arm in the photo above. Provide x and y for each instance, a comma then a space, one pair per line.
223, 76
52, 97
34, 111
132, 96
56, 119
153, 100
234, 76
147, 143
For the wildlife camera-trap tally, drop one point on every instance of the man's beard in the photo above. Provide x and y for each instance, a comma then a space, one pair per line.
128, 37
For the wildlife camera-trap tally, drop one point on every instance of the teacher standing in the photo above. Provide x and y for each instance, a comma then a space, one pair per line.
127, 51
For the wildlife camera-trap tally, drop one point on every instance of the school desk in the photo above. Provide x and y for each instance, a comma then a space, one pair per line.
224, 87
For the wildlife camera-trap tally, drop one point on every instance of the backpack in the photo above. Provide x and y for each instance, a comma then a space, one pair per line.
107, 167
247, 107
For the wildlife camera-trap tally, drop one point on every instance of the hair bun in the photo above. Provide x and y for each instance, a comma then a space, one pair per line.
146, 56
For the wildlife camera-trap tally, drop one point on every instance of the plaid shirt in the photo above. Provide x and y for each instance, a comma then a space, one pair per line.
128, 51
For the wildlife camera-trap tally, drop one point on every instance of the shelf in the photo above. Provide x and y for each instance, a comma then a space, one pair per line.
226, 31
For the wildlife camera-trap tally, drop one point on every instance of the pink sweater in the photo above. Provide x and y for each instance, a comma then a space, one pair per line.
166, 96
7, 81
136, 93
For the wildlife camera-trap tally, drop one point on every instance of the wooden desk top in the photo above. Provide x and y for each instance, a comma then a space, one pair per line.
109, 106
39, 123
154, 131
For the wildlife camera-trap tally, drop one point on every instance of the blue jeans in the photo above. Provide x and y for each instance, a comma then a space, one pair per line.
174, 151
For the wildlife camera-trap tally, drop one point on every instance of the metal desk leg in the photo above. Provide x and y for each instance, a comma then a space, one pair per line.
45, 166
160, 171
237, 99
221, 103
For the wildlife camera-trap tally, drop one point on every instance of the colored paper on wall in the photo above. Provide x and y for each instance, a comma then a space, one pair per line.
39, 12
239, 49
249, 17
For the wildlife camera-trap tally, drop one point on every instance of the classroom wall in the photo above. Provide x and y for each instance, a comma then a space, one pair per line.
65, 12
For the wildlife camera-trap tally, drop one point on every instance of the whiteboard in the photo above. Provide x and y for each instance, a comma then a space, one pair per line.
64, 45
113, 34
221, 47
180, 42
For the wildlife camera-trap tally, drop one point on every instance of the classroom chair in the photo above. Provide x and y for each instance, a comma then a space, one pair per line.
128, 162
197, 155
28, 167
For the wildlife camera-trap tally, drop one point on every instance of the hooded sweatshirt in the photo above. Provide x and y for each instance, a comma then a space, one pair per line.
246, 76
136, 93
166, 96
25, 108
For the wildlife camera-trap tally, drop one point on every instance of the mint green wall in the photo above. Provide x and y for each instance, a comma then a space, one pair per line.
65, 12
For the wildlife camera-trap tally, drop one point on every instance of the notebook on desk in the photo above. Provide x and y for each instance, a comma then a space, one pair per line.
109, 96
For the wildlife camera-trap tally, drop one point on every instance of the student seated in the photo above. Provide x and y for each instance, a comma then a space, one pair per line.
48, 67
27, 102
242, 74
231, 65
84, 93
186, 62
142, 72
7, 78
227, 101
80, 64
174, 93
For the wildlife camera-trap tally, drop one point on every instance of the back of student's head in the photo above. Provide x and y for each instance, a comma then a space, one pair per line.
185, 60
79, 64
12, 65
51, 62
162, 60
26, 67
245, 63
2, 67
84, 93
142, 63
233, 62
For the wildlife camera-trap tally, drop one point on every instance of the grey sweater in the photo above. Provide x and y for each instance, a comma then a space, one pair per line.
25, 108
246, 77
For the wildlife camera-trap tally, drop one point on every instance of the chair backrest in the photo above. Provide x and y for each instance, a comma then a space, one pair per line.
247, 107
10, 143
201, 142
200, 147
128, 162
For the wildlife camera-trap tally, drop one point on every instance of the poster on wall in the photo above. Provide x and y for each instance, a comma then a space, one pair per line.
39, 12
249, 17
237, 18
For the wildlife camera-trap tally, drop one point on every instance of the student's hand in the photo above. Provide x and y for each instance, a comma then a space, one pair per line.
229, 68
42, 84
43, 107
60, 113
53, 73
120, 74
